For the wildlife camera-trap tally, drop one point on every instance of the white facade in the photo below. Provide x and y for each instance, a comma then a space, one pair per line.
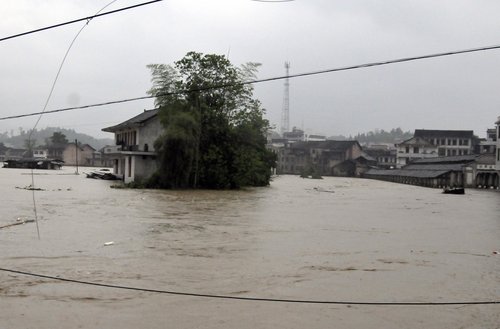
40, 153
134, 157
413, 149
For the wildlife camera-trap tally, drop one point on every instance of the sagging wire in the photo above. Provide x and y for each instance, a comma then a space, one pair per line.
89, 18
291, 76
31, 143
253, 299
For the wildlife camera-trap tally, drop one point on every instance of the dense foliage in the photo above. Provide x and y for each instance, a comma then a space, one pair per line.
213, 137
381, 136
395, 135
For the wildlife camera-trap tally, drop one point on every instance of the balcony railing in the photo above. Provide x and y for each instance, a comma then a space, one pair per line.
130, 148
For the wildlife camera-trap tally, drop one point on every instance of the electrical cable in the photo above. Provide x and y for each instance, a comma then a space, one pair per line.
255, 299
30, 144
78, 20
257, 81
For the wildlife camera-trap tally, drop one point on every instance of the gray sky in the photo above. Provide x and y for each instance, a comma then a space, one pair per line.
108, 61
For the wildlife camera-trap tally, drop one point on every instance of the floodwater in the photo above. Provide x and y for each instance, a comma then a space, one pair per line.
336, 239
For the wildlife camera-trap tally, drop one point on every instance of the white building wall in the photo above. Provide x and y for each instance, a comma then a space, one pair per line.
148, 134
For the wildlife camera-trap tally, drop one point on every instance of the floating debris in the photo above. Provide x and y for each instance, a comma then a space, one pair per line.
105, 174
320, 189
19, 221
110, 243
30, 188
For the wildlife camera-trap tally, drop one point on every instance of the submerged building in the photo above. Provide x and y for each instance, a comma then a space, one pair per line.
432, 172
133, 155
326, 158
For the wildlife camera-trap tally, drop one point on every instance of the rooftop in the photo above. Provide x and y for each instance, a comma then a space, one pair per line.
327, 145
448, 159
136, 121
429, 133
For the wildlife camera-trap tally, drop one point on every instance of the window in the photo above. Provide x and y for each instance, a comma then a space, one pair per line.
454, 142
407, 149
416, 149
466, 142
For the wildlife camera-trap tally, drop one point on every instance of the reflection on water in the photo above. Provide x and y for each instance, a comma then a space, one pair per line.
330, 239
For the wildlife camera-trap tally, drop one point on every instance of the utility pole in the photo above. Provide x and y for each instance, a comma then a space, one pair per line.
285, 112
76, 155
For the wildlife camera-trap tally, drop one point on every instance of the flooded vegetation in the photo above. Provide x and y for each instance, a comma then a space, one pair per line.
335, 239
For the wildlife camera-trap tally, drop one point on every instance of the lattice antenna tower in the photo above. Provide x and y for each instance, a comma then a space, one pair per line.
285, 112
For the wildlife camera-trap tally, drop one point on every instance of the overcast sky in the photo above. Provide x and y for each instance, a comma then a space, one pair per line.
108, 60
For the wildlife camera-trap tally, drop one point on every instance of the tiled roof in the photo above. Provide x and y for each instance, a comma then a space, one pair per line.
435, 167
429, 133
416, 140
406, 173
448, 159
136, 121
327, 145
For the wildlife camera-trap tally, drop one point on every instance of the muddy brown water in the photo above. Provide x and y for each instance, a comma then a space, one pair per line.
336, 239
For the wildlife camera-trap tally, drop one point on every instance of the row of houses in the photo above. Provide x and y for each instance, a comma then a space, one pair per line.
438, 158
71, 154
430, 158
461, 157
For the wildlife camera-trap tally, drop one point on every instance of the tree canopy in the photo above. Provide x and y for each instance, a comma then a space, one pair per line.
214, 130
58, 138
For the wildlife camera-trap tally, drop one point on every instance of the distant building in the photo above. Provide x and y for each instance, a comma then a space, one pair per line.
133, 155
386, 158
449, 142
413, 149
432, 172
10, 153
488, 145
323, 157
296, 135
40, 152
55, 151
497, 159
315, 138
486, 176
82, 155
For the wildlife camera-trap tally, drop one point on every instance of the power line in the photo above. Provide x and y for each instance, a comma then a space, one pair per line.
255, 299
45, 108
78, 20
292, 76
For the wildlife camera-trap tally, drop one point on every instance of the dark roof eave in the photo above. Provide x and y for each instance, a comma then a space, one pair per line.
137, 121
120, 126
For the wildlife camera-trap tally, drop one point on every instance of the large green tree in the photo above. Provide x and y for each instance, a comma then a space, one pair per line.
214, 130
